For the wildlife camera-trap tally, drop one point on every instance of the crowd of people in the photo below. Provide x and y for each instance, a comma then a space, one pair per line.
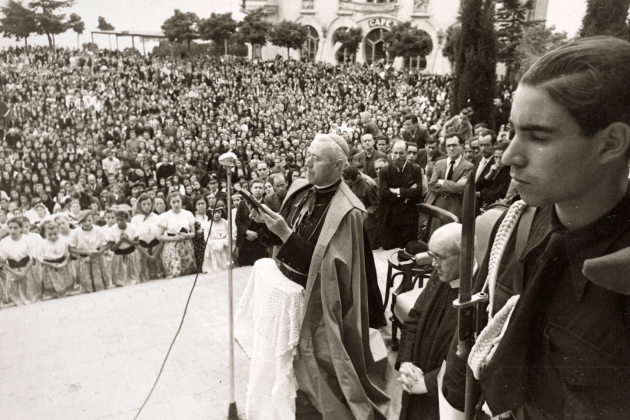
107, 133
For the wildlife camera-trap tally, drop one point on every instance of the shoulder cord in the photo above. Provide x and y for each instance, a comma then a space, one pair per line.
490, 337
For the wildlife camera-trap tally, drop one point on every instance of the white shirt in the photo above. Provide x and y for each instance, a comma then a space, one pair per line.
481, 166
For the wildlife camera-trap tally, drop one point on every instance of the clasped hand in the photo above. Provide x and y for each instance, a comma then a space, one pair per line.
274, 222
412, 379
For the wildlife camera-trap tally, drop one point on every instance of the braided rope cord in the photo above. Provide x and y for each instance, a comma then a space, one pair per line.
490, 337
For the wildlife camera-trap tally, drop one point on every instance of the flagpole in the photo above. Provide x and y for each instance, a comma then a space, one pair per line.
469, 310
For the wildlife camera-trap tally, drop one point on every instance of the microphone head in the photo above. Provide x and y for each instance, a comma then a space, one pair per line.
227, 159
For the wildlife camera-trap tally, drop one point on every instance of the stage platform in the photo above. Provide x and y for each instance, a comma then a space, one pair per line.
96, 356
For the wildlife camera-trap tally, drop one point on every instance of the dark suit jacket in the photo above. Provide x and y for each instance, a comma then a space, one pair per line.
366, 165
448, 196
423, 158
394, 210
419, 135
273, 202
484, 172
243, 224
495, 188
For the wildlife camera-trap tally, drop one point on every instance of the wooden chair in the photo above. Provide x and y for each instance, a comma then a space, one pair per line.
413, 273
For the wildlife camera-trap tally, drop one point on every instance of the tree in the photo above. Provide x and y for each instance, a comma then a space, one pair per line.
350, 39
453, 33
288, 34
181, 27
537, 41
218, 28
511, 20
407, 41
77, 25
18, 21
253, 29
474, 80
104, 25
49, 21
605, 17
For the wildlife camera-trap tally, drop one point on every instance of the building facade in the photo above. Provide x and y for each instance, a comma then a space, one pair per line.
323, 18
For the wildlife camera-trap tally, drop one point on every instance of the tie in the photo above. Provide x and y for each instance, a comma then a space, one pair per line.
308, 204
449, 173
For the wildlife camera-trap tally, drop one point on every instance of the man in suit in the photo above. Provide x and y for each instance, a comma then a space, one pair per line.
449, 179
429, 155
274, 201
364, 160
484, 163
418, 134
249, 249
494, 185
399, 191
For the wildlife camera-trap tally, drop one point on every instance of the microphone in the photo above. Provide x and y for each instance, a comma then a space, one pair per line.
227, 159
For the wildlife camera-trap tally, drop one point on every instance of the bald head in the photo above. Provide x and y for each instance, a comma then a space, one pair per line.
445, 247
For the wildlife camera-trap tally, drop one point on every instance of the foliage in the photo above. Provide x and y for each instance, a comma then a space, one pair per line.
407, 41
510, 22
287, 34
90, 46
181, 27
77, 25
18, 21
537, 41
349, 39
218, 28
450, 44
606, 17
253, 29
104, 25
474, 80
49, 21
131, 52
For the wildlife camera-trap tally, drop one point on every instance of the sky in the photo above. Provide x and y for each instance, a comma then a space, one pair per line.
148, 15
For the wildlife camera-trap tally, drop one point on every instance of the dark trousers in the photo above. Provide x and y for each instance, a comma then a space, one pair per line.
397, 236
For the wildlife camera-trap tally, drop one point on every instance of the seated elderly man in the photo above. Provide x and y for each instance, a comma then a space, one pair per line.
428, 330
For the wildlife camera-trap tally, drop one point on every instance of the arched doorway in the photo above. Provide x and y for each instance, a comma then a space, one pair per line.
343, 55
309, 50
375, 46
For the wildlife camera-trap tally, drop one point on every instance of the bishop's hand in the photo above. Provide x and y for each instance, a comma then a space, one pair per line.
274, 222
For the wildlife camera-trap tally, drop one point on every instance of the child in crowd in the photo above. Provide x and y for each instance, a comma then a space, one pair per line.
17, 257
89, 243
65, 235
177, 228
54, 257
123, 240
217, 251
147, 223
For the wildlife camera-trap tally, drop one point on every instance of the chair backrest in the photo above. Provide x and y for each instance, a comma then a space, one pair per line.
434, 212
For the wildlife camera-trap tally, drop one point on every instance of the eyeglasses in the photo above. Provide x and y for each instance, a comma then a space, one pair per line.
437, 258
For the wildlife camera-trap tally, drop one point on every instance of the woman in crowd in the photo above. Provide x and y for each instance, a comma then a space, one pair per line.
177, 229
147, 223
201, 222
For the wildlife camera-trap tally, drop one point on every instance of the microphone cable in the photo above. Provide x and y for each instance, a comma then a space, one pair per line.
181, 323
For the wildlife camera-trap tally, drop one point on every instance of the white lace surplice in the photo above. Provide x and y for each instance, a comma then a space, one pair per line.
269, 318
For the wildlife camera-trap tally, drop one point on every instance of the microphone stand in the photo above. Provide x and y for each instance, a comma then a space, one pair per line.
228, 160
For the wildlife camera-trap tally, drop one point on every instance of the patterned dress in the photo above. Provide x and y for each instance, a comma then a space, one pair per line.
178, 257
17, 254
199, 241
125, 266
148, 231
91, 269
60, 280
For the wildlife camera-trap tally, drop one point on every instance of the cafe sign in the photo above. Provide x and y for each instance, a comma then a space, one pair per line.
388, 23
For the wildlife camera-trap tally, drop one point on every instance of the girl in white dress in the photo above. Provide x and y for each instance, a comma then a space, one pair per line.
54, 257
177, 228
217, 251
16, 255
146, 221
89, 243
65, 235
123, 240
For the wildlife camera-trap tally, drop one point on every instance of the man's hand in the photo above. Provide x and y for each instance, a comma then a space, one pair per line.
274, 222
412, 379
251, 235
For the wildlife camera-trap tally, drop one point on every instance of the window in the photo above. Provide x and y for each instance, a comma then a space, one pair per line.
418, 63
375, 46
343, 55
309, 50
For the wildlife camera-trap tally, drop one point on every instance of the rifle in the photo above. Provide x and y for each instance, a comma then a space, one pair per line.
471, 308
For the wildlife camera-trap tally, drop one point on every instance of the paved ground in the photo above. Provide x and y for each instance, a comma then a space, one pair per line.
96, 356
